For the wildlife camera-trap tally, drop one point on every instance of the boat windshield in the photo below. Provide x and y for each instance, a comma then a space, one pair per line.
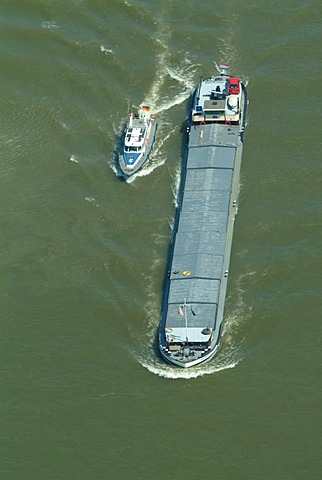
131, 149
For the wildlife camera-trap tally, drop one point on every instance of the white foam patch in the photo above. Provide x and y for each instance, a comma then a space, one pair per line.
159, 239
176, 185
114, 168
167, 105
173, 373
230, 353
147, 169
8, 141
49, 24
73, 159
106, 50
92, 200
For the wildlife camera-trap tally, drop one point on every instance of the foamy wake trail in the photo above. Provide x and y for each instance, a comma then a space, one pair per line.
177, 100
182, 74
173, 373
147, 170
228, 356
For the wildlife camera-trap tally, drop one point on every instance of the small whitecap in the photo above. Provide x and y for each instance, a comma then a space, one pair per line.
91, 200
73, 159
48, 24
105, 50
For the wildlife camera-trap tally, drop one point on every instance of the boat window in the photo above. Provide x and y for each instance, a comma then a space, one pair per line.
214, 112
131, 149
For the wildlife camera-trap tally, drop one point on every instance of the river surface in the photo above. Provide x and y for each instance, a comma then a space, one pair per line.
85, 395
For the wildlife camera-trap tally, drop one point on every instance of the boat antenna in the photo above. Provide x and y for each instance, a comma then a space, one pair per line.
185, 320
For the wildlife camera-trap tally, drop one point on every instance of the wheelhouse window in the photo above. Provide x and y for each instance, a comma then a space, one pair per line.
131, 149
214, 112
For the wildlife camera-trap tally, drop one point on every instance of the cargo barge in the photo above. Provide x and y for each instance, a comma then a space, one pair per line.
199, 254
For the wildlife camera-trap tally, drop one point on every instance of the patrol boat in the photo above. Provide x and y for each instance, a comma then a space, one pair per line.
199, 253
137, 142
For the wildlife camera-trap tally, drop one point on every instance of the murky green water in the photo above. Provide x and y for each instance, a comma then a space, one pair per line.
83, 254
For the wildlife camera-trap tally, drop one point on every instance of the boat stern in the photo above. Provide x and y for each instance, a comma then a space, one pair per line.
187, 347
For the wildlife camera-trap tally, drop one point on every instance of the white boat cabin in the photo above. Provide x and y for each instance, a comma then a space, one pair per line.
134, 139
218, 100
